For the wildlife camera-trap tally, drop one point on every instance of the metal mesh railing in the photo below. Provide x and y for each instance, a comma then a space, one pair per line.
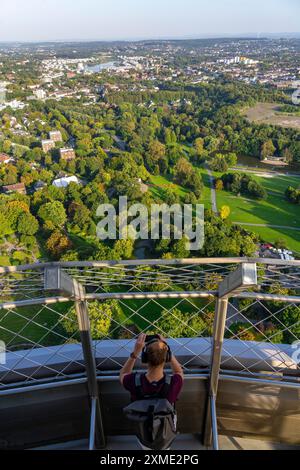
203, 275
180, 320
21, 284
38, 341
149, 278
284, 276
266, 335
176, 298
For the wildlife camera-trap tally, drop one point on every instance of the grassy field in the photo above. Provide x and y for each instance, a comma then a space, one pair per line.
159, 185
273, 211
206, 194
32, 324
269, 113
29, 326
149, 312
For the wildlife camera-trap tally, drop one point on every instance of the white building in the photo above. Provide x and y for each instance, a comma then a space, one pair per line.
15, 104
65, 181
40, 94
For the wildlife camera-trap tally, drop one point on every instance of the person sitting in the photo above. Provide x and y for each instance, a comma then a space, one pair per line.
153, 393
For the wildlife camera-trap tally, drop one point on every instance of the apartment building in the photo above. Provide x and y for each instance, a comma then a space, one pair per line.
14, 188
47, 145
55, 136
67, 154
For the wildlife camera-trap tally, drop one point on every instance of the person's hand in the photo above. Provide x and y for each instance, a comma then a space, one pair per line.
140, 344
162, 338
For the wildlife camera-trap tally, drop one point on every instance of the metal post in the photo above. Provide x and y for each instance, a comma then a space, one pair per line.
214, 424
92, 443
218, 338
56, 279
244, 277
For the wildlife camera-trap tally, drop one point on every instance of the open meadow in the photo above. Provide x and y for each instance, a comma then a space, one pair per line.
272, 219
269, 113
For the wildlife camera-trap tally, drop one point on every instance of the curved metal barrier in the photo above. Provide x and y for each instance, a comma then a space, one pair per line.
230, 321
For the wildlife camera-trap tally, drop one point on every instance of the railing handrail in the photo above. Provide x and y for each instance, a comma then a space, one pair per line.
71, 281
149, 295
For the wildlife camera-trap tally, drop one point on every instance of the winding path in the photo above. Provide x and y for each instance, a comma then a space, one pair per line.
213, 191
297, 229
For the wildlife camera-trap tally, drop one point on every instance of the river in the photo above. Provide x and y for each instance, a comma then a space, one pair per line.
252, 162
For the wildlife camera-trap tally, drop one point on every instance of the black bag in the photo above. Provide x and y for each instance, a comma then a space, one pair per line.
154, 416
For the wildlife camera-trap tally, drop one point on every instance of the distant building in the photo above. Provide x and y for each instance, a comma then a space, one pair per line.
47, 145
2, 94
4, 158
15, 104
55, 136
15, 188
40, 94
65, 181
284, 84
143, 187
47, 79
67, 154
279, 161
39, 185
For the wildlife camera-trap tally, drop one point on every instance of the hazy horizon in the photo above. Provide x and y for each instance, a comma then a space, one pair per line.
265, 35
100, 20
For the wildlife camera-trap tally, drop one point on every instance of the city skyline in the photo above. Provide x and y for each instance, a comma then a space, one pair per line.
99, 20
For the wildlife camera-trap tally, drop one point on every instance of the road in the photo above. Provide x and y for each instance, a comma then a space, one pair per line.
120, 143
285, 227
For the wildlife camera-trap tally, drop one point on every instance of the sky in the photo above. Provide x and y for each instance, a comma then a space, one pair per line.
42, 20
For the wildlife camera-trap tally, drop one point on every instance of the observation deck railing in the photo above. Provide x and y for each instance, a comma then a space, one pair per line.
227, 319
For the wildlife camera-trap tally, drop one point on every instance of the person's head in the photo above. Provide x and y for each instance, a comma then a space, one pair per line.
157, 354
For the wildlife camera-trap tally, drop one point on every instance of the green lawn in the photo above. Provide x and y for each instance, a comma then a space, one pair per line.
273, 211
159, 185
206, 195
272, 235
32, 324
149, 312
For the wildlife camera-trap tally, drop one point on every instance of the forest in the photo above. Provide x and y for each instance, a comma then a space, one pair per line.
169, 133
